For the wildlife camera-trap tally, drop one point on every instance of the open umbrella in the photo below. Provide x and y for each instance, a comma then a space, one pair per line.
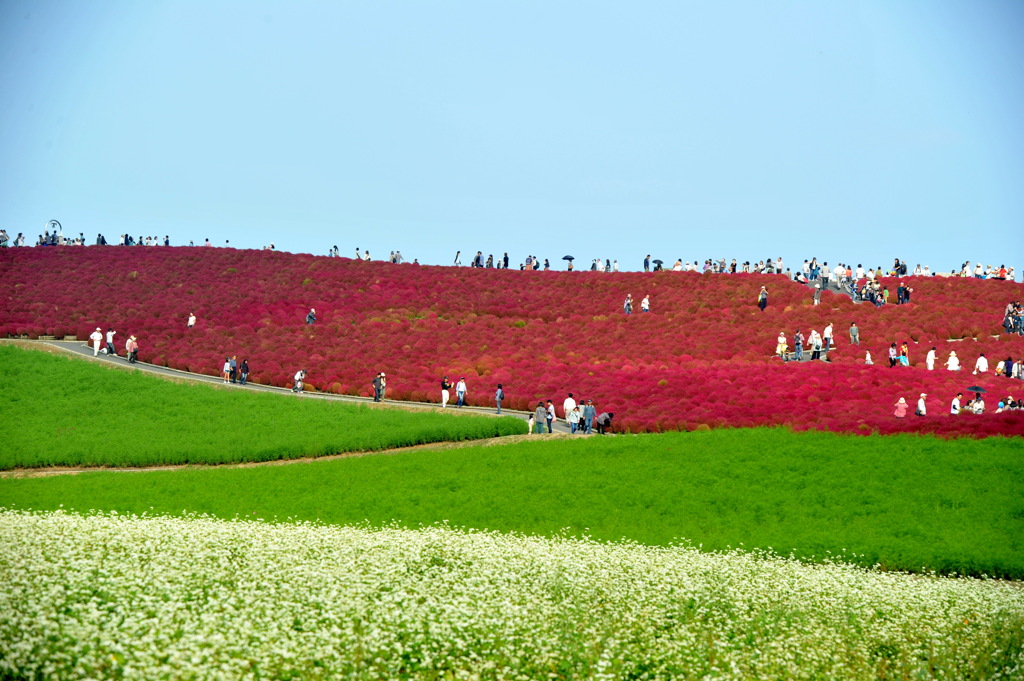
658, 262
568, 257
976, 389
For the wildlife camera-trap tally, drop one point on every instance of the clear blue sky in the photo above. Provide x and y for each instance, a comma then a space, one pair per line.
853, 131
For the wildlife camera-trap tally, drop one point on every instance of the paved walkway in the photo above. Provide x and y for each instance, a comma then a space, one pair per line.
83, 349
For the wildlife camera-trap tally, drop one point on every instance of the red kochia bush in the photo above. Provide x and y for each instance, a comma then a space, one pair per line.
703, 356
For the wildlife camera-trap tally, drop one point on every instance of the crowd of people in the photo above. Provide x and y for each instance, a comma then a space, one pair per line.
957, 406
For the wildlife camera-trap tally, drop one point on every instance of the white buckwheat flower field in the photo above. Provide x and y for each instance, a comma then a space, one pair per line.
119, 597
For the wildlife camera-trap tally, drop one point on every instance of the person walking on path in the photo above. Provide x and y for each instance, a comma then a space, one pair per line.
244, 370
854, 334
460, 392
96, 337
573, 419
922, 409
226, 369
132, 349
445, 387
568, 405
550, 415
233, 368
499, 395
589, 414
540, 414
762, 298
300, 377
901, 408
378, 386
798, 345
817, 294
110, 342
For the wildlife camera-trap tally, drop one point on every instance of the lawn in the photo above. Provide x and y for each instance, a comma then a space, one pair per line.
902, 502
62, 411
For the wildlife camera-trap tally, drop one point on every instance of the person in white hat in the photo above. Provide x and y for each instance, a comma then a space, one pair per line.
953, 363
96, 337
921, 409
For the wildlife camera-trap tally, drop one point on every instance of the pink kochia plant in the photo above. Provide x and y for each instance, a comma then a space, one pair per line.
704, 356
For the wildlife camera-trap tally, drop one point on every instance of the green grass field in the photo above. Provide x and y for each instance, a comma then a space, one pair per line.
902, 502
63, 411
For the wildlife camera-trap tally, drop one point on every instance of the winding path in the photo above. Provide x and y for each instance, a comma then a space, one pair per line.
84, 350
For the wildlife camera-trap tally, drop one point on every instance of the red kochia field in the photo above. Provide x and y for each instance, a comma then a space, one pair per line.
703, 356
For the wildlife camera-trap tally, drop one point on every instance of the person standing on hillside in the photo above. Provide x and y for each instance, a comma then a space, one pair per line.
460, 392
499, 395
954, 407
504, 261
645, 304
445, 387
981, 366
110, 342
762, 298
827, 337
647, 263
901, 408
922, 408
854, 334
798, 346
191, 320
817, 294
96, 337
311, 316
458, 259
627, 306
929, 360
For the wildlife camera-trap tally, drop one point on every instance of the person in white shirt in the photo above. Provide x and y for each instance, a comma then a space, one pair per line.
930, 360
860, 272
568, 405
191, 319
827, 337
953, 363
96, 337
615, 266
979, 273
460, 392
954, 408
927, 272
981, 366
917, 270
978, 404
645, 304
110, 342
922, 410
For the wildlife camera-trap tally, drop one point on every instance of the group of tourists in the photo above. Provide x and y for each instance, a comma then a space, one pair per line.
976, 405
131, 346
582, 417
817, 343
233, 372
645, 304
